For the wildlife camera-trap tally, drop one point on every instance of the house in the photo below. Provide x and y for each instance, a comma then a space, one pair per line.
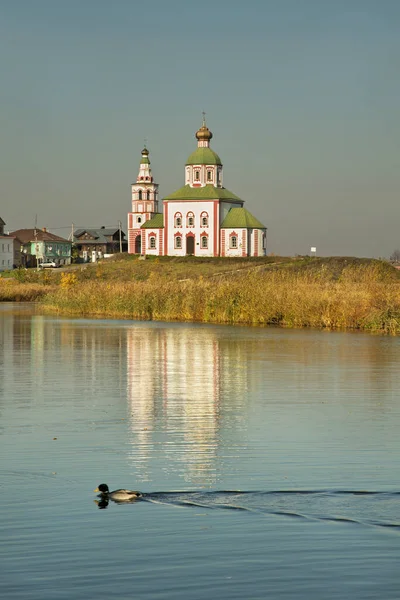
6, 249
202, 218
36, 246
93, 244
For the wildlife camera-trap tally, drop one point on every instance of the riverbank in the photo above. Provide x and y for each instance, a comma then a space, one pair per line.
335, 293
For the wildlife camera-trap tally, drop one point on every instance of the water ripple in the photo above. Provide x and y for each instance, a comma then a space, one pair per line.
361, 507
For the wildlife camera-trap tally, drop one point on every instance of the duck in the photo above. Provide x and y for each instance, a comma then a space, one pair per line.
121, 495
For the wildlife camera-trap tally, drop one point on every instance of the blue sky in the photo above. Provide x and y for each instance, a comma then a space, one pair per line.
302, 97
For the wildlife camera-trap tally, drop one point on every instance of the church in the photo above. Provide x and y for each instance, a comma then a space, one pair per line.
202, 218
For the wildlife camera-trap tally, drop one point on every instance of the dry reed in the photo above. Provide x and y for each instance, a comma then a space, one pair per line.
361, 297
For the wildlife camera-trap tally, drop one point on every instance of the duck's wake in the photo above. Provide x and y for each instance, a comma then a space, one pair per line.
349, 506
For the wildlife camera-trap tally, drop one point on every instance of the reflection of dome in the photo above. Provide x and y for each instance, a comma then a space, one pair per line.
204, 133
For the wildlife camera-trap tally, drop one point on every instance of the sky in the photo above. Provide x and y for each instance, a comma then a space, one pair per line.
302, 97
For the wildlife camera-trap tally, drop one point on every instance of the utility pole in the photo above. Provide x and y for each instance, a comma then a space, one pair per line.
72, 239
36, 245
120, 236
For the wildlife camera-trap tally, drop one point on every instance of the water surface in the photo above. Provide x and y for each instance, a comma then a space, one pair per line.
268, 459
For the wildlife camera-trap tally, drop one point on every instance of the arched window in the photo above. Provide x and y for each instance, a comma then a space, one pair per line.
209, 175
204, 219
190, 219
152, 241
178, 220
148, 196
204, 241
139, 219
233, 241
140, 195
178, 241
197, 175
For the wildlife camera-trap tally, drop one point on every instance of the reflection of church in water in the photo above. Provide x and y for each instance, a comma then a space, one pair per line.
175, 385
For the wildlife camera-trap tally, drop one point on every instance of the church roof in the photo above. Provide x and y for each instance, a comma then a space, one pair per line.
207, 192
204, 156
157, 222
241, 218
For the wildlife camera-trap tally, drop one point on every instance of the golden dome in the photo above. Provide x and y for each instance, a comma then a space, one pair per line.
204, 133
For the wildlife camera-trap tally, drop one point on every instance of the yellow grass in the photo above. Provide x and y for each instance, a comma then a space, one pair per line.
14, 291
359, 296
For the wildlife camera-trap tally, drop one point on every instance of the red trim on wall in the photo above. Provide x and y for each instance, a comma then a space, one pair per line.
244, 245
216, 229
256, 242
143, 242
223, 242
132, 235
165, 229
160, 243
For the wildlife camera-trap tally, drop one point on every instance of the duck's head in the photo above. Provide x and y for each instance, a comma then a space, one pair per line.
103, 488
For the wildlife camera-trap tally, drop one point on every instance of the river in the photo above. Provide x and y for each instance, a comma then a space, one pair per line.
268, 460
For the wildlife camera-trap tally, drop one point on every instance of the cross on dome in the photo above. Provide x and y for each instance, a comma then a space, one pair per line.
204, 135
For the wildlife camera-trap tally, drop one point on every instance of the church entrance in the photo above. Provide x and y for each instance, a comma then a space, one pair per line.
138, 244
190, 244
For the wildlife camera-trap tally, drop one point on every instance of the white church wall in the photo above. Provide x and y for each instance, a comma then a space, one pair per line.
185, 211
234, 242
152, 241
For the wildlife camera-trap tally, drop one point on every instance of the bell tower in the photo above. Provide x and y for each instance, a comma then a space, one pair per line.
144, 202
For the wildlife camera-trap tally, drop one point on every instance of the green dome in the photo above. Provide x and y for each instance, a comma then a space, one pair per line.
204, 156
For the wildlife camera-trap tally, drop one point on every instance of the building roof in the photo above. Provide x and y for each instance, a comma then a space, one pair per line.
207, 192
204, 156
101, 236
157, 222
241, 218
31, 235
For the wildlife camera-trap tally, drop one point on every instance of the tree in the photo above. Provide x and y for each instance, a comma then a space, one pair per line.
395, 256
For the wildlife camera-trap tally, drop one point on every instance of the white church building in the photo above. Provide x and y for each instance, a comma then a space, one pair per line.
202, 218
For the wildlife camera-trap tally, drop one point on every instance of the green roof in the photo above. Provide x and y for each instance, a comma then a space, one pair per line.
204, 156
157, 222
144, 160
240, 217
207, 192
